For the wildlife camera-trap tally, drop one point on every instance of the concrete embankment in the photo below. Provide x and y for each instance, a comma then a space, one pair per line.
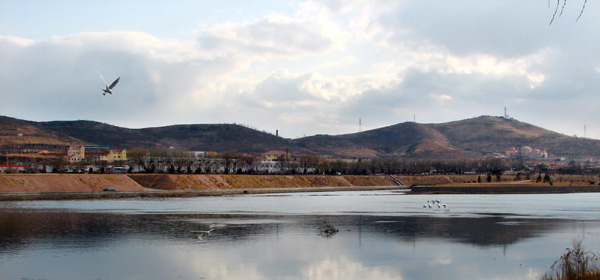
502, 189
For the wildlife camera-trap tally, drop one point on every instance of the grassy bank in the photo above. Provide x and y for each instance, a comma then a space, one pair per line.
35, 183
219, 182
215, 184
40, 183
507, 179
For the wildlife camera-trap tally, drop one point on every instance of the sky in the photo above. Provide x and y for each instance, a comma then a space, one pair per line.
302, 67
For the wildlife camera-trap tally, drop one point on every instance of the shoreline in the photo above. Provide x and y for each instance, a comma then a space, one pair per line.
20, 187
181, 193
414, 190
502, 189
91, 186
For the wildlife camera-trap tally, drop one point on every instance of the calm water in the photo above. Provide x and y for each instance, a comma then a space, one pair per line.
382, 235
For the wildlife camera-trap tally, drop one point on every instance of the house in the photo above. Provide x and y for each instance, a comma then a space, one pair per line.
268, 166
116, 155
274, 155
197, 154
75, 153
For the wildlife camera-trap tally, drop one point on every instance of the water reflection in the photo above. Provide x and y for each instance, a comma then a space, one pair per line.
65, 244
18, 228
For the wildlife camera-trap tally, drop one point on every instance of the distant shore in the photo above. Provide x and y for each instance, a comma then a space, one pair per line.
177, 193
91, 186
502, 189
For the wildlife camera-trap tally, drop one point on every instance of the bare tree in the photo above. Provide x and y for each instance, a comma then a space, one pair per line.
58, 164
179, 159
560, 5
138, 156
232, 158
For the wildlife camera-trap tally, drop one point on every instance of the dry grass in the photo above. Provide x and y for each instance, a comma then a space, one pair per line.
221, 181
575, 264
65, 183
431, 180
137, 182
508, 179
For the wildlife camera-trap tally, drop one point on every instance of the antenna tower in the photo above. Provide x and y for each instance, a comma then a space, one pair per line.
359, 125
584, 131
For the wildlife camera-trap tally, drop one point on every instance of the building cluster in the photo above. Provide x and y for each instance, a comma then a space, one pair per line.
23, 157
94, 153
522, 153
527, 153
73, 153
84, 158
172, 161
96, 158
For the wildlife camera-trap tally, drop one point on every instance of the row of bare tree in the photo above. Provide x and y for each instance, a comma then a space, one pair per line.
162, 160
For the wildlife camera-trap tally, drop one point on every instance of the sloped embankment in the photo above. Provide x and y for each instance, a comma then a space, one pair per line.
217, 182
33, 183
432, 180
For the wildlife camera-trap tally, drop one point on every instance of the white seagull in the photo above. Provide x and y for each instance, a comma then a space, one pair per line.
203, 234
109, 88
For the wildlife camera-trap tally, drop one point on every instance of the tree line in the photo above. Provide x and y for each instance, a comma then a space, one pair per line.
177, 161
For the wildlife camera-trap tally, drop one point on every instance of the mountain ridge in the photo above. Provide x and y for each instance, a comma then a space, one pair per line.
462, 139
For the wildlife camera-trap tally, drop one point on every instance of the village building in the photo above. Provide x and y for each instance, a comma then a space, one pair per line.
274, 155
76, 153
116, 155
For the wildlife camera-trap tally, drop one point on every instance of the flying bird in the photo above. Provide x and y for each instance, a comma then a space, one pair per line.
109, 88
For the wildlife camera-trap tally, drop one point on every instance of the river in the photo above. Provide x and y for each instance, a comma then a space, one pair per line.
382, 235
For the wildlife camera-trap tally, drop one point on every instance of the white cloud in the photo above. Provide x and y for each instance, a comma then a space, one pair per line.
15, 41
317, 68
345, 268
155, 74
275, 36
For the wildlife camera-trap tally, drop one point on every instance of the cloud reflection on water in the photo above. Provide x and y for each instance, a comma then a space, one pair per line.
64, 243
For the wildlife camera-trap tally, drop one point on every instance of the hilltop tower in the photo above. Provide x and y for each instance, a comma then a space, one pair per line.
359, 125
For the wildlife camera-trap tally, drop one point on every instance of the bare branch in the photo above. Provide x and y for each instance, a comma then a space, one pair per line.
562, 9
582, 8
555, 11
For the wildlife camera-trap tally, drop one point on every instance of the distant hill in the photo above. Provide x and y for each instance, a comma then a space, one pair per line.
406, 139
15, 131
494, 134
194, 137
471, 138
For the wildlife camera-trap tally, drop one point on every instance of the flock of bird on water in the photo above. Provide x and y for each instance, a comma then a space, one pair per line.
433, 204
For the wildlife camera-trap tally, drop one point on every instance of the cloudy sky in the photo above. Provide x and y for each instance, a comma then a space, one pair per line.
301, 67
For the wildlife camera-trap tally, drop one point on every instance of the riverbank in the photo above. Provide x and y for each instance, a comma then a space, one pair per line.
226, 182
90, 186
501, 189
179, 193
